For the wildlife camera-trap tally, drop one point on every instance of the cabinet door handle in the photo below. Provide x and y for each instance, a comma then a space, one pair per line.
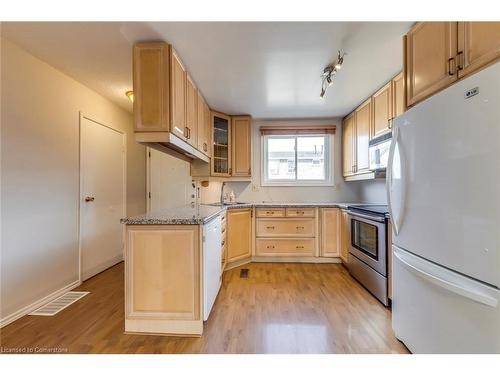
270, 227
186, 132
205, 146
299, 247
450, 71
460, 59
299, 227
270, 247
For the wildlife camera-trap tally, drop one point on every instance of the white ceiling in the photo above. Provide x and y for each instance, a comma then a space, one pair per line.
268, 70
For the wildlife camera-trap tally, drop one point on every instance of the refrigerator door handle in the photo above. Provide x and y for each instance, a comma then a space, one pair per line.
395, 149
430, 274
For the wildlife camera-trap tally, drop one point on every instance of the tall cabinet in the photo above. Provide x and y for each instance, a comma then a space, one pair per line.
439, 53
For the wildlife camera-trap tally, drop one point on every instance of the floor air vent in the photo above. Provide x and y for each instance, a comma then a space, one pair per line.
244, 273
53, 307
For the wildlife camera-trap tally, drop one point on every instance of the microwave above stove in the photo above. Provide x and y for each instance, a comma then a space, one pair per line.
379, 152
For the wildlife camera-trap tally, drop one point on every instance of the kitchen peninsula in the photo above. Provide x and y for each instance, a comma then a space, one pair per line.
174, 258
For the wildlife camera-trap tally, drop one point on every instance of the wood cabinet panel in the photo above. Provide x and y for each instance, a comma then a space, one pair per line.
289, 227
163, 272
270, 212
382, 111
300, 212
348, 145
203, 125
398, 96
191, 112
345, 235
363, 116
178, 97
478, 45
151, 75
330, 225
284, 247
431, 48
239, 234
241, 146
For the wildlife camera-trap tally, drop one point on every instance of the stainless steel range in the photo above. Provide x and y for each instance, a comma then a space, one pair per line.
367, 261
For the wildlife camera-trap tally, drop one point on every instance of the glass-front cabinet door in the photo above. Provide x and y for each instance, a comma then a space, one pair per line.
221, 145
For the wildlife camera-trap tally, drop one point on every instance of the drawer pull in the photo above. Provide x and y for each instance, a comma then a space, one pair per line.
270, 246
269, 212
300, 212
299, 247
272, 227
299, 227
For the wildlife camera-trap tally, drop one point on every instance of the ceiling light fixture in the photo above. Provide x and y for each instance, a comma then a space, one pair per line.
329, 71
130, 95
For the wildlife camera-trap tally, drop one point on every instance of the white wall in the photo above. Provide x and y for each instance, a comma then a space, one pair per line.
40, 175
341, 192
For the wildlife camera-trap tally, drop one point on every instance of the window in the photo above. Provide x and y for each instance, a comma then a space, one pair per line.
297, 160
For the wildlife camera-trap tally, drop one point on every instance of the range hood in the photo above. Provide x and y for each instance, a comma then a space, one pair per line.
170, 144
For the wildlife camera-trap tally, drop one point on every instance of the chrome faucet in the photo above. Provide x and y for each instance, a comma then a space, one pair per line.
222, 193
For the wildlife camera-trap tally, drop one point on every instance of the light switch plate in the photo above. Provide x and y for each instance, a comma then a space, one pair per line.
255, 187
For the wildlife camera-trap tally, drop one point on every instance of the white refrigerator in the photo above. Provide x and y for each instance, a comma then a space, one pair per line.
443, 191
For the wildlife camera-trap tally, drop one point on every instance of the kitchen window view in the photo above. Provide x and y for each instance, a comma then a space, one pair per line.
297, 160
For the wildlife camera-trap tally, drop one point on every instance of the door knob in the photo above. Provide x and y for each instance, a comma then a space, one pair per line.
89, 199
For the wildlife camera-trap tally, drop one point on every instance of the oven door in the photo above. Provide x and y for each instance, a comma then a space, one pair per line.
368, 240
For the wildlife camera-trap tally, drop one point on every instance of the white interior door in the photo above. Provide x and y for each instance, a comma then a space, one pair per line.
102, 198
170, 183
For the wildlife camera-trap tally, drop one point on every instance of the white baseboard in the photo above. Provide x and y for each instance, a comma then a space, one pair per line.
35, 305
87, 274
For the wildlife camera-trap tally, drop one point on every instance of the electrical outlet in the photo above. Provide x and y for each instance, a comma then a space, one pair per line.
255, 187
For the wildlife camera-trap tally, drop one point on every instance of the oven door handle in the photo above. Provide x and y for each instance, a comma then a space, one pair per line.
367, 217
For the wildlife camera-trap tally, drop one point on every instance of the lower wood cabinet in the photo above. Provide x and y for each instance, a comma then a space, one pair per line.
330, 225
345, 235
239, 234
285, 247
163, 279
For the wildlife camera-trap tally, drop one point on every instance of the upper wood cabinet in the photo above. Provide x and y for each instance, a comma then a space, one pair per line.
166, 102
241, 146
239, 234
478, 44
431, 48
348, 145
439, 53
191, 112
151, 87
363, 120
382, 111
203, 113
398, 96
330, 221
221, 145
178, 125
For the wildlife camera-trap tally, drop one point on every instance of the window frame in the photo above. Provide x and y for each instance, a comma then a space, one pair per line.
329, 162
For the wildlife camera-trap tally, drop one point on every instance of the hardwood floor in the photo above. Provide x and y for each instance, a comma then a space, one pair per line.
280, 308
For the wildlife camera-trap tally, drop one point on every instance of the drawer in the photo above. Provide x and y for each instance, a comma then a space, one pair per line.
270, 212
284, 247
300, 212
285, 228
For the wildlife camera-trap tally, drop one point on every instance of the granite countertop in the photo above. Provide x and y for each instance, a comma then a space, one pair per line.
201, 214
